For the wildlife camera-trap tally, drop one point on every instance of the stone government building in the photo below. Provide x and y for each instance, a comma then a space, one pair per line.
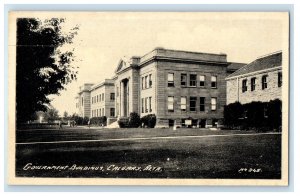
180, 87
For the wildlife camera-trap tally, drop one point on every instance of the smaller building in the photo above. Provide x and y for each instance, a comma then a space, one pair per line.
103, 99
260, 80
83, 100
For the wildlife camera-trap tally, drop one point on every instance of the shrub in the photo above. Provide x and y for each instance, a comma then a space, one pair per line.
123, 122
99, 121
260, 116
275, 114
134, 120
80, 120
232, 115
148, 120
254, 117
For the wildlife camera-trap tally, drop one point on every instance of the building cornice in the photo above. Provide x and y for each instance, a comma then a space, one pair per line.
181, 60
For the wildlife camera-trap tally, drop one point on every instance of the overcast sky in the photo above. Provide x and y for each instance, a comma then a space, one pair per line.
105, 38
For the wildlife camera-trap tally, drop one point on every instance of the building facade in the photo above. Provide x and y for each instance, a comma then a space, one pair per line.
260, 80
83, 100
179, 87
103, 99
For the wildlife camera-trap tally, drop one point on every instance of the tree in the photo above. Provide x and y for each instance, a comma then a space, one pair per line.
51, 114
66, 115
42, 67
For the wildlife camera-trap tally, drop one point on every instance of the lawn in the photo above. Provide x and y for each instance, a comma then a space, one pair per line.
182, 157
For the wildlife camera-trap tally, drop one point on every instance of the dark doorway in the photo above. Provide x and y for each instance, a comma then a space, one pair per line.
171, 123
214, 122
194, 123
202, 123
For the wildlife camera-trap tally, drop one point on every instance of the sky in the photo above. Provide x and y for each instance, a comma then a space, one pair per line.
104, 38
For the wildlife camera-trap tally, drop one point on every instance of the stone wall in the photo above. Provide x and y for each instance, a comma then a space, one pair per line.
150, 91
163, 91
234, 88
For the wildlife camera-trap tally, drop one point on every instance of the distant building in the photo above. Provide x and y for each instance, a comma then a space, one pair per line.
83, 100
182, 87
103, 99
260, 80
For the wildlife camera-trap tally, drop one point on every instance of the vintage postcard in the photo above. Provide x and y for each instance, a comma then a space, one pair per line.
148, 98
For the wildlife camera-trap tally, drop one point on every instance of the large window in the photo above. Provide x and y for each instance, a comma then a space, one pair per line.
146, 82
170, 79
264, 83
142, 102
183, 103
142, 82
202, 104
213, 81
102, 96
202, 80
150, 104
183, 79
112, 111
171, 104
150, 80
193, 80
213, 103
146, 104
112, 96
279, 79
193, 101
244, 85
253, 83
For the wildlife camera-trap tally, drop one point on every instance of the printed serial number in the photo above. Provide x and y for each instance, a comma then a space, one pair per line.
250, 170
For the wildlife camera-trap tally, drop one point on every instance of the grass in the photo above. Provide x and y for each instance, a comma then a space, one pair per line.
80, 133
207, 157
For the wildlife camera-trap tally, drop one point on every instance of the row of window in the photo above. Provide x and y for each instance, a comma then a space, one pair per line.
146, 104
146, 81
101, 112
193, 104
190, 80
100, 97
264, 82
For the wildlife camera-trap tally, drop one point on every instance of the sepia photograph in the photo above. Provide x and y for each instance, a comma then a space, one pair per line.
148, 98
